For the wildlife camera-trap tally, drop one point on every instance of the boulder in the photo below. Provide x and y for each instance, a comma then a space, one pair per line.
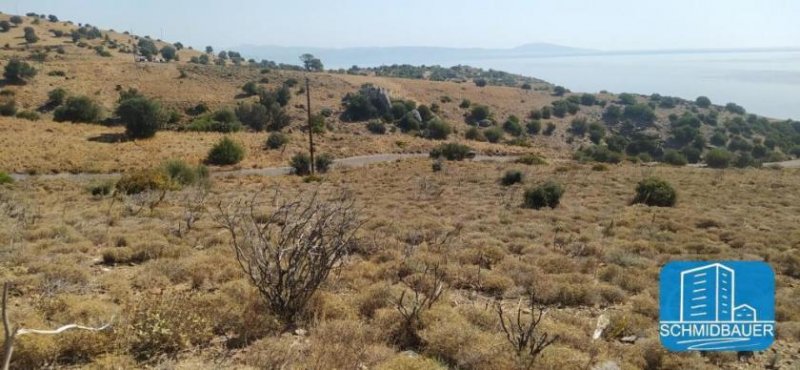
485, 123
416, 115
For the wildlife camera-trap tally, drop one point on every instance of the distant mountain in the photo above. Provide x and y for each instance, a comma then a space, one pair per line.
415, 55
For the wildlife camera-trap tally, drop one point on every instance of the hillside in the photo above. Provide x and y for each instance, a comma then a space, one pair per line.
158, 237
88, 73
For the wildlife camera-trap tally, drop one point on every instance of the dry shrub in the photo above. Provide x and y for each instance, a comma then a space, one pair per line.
562, 358
141, 253
567, 290
611, 294
373, 298
407, 361
789, 263
789, 331
288, 252
241, 314
32, 351
276, 353
486, 256
80, 346
451, 338
112, 362
166, 324
390, 322
644, 304
787, 304
493, 283
328, 306
520, 271
623, 324
62, 276
556, 264
481, 317
341, 344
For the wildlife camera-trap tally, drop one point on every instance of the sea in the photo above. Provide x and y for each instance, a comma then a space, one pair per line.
764, 82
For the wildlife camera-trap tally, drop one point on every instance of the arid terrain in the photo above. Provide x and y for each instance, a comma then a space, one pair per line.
161, 268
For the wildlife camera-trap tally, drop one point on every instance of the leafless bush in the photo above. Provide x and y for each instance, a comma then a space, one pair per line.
522, 332
288, 252
426, 287
193, 202
428, 189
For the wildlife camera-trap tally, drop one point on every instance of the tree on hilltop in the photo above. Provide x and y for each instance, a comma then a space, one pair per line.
311, 63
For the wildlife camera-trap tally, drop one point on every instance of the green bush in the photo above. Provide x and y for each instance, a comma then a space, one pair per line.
479, 113
223, 120
718, 158
323, 162
493, 134
530, 159
28, 115
599, 153
169, 52
596, 132
474, 134
639, 113
78, 109
511, 177
465, 103
578, 126
252, 115
656, 192
139, 181
546, 112
627, 99
225, 152
702, 102
56, 97
534, 127
8, 106
437, 129
675, 158
451, 152
17, 71
743, 160
544, 195
181, 173
513, 127
141, 116
277, 140
5, 178
301, 164
30, 35
551, 127
101, 189
588, 99
250, 88
376, 127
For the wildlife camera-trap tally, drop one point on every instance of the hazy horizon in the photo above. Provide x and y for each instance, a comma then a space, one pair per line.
614, 25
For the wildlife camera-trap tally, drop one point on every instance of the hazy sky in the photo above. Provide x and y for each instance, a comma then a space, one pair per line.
608, 24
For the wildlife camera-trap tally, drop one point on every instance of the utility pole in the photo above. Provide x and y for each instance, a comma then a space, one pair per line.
310, 126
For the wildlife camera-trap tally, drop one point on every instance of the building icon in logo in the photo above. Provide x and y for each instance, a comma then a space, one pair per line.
717, 306
707, 293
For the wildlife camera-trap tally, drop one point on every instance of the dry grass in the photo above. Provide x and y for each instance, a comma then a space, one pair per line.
575, 255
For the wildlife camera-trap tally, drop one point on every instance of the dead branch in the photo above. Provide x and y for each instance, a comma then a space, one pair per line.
11, 333
522, 334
